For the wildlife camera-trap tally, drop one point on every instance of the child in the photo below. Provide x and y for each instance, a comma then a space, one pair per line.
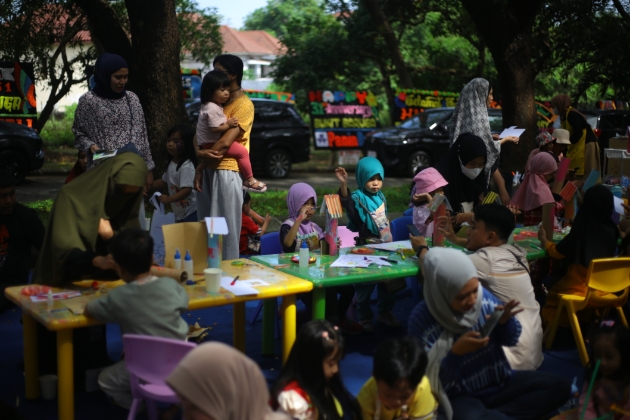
79, 167
212, 123
251, 230
298, 228
367, 215
612, 380
310, 386
428, 183
180, 174
146, 305
398, 388
545, 143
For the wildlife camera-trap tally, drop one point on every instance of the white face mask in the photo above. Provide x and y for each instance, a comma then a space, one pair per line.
470, 173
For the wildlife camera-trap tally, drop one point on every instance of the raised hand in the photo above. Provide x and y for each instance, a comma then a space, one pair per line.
509, 310
341, 175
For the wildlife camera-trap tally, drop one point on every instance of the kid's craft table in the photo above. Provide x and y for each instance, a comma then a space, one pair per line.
322, 275
63, 321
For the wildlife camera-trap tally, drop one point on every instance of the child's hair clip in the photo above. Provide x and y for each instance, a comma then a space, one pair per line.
607, 323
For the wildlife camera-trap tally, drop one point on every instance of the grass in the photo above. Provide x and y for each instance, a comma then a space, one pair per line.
272, 202
58, 132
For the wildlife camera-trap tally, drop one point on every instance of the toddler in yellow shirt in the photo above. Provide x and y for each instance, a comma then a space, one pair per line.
398, 388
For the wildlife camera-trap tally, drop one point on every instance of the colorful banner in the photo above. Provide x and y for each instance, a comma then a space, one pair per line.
544, 114
17, 93
275, 96
340, 119
191, 83
409, 102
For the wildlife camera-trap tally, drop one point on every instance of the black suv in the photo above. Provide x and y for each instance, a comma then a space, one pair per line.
279, 136
20, 149
419, 142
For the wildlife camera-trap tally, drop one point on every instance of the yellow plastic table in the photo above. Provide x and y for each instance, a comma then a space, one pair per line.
63, 321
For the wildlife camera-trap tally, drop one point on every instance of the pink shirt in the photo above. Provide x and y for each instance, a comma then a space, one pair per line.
210, 116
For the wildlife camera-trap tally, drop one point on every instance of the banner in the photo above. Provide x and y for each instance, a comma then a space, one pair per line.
341, 119
191, 83
409, 102
275, 96
17, 93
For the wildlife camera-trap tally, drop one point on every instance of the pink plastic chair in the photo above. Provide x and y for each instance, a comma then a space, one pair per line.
346, 236
149, 361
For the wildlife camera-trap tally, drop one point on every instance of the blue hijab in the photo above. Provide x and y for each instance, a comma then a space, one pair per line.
106, 65
366, 169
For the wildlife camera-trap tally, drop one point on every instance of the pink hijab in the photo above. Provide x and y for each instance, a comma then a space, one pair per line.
534, 191
299, 194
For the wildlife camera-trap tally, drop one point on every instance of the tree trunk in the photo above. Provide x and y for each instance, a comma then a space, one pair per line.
105, 29
389, 92
385, 29
508, 38
156, 69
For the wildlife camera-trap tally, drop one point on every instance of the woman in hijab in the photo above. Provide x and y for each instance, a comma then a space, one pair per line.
584, 151
217, 382
85, 215
593, 235
469, 373
471, 116
463, 169
109, 117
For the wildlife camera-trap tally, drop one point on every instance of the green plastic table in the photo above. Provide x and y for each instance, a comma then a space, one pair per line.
322, 275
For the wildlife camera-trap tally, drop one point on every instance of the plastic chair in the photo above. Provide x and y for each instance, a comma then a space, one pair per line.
347, 236
408, 212
608, 275
269, 244
149, 361
399, 228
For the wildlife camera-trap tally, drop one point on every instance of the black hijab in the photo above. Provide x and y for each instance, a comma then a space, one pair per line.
593, 234
460, 188
106, 65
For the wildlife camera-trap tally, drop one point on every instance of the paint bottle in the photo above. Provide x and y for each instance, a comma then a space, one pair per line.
304, 255
49, 299
188, 264
177, 260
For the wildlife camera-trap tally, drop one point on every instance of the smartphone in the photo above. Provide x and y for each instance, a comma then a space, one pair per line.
413, 230
491, 323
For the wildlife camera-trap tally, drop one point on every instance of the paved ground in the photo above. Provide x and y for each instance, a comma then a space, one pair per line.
42, 187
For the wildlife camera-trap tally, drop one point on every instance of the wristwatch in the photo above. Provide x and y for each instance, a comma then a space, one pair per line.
420, 248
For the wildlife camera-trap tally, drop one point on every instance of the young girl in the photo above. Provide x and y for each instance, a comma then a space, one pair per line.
212, 123
367, 215
611, 392
252, 227
180, 174
302, 201
310, 386
428, 183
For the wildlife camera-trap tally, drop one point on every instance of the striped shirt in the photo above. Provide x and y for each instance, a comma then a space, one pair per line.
480, 373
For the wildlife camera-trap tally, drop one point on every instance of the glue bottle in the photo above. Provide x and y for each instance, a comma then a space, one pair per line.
177, 260
304, 255
188, 264
49, 299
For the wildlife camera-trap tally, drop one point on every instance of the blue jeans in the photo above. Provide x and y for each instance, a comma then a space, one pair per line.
192, 217
527, 395
386, 300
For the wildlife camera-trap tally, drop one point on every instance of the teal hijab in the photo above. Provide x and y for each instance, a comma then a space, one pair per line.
366, 169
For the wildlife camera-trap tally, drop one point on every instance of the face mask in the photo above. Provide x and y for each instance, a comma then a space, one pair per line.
470, 173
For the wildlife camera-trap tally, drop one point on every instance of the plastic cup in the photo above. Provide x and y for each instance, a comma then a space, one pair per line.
48, 386
213, 279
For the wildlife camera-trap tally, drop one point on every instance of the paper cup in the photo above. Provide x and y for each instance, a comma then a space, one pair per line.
48, 386
213, 279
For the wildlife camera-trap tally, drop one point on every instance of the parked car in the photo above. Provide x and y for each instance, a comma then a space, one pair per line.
279, 137
419, 142
20, 149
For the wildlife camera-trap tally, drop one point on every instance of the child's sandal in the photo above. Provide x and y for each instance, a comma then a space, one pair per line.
255, 186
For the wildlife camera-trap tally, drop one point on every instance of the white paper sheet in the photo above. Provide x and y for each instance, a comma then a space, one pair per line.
618, 205
242, 287
56, 296
391, 246
512, 131
358, 261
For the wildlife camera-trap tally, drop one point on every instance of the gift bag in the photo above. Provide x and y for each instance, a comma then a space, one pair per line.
160, 218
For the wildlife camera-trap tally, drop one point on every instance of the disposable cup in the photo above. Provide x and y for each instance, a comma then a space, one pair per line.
48, 386
213, 279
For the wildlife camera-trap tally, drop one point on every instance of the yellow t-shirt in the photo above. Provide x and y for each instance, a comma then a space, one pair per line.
243, 109
423, 404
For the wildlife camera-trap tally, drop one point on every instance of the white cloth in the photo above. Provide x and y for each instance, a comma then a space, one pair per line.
176, 180
210, 116
500, 272
420, 215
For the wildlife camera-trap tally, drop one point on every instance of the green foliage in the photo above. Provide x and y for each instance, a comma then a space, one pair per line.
198, 31
277, 14
58, 133
42, 208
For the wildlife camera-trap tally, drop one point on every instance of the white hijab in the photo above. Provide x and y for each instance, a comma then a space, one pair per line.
446, 272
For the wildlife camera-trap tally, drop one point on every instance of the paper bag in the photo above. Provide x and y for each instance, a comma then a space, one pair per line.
191, 236
160, 218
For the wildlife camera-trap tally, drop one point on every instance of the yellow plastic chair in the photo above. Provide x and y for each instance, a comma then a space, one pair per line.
608, 281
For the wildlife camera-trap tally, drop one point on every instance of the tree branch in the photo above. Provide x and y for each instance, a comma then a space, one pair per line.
621, 11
